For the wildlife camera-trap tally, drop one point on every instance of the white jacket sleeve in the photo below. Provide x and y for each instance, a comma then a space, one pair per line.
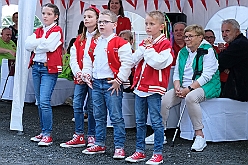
49, 44
87, 65
125, 56
32, 42
158, 60
176, 71
138, 55
73, 61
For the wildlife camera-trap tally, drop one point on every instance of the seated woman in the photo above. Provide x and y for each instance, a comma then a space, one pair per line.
192, 82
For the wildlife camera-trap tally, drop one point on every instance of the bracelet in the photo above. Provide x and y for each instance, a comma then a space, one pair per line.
190, 88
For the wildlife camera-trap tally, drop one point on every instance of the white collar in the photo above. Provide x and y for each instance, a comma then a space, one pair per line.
46, 28
109, 37
88, 34
158, 38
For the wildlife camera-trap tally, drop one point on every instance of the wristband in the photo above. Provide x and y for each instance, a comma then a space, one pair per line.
190, 88
118, 80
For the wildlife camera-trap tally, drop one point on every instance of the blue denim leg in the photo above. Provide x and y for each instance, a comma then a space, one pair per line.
114, 105
99, 111
87, 106
154, 108
103, 100
44, 84
80, 93
91, 119
141, 118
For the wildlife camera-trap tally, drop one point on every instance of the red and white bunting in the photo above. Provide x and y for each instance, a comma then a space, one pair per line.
204, 3
218, 1
63, 3
167, 4
7, 1
131, 3
145, 4
70, 3
134, 3
82, 6
191, 4
156, 4
179, 5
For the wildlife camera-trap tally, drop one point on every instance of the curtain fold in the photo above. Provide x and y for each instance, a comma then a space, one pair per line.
26, 15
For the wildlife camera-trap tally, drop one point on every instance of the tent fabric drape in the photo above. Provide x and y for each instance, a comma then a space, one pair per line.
22, 59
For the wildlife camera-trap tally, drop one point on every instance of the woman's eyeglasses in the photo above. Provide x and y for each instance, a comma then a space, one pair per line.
189, 37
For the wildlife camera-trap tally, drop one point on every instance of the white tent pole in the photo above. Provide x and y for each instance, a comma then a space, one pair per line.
65, 29
26, 14
1, 12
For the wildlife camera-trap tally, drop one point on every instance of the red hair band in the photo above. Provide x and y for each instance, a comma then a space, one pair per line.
96, 9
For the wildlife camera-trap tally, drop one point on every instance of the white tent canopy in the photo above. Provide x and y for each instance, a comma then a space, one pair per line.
197, 11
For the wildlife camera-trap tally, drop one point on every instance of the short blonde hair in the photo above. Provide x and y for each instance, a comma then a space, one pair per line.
196, 28
111, 14
157, 15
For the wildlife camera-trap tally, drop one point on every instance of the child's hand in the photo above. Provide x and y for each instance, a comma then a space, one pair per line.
184, 92
86, 78
178, 92
148, 41
79, 78
115, 86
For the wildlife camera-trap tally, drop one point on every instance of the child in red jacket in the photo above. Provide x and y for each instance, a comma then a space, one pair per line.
111, 67
84, 44
153, 59
46, 43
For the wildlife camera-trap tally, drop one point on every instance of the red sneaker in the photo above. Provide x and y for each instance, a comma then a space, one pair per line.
95, 149
36, 138
46, 141
77, 141
91, 141
136, 157
119, 153
156, 159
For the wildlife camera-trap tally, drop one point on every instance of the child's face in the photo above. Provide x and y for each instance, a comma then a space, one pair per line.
126, 37
90, 19
105, 25
48, 16
153, 26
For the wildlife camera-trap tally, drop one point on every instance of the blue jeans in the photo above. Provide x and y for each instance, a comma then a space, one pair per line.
154, 107
103, 101
80, 93
86, 107
44, 84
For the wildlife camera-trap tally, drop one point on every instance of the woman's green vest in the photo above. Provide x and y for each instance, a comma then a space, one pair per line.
212, 88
